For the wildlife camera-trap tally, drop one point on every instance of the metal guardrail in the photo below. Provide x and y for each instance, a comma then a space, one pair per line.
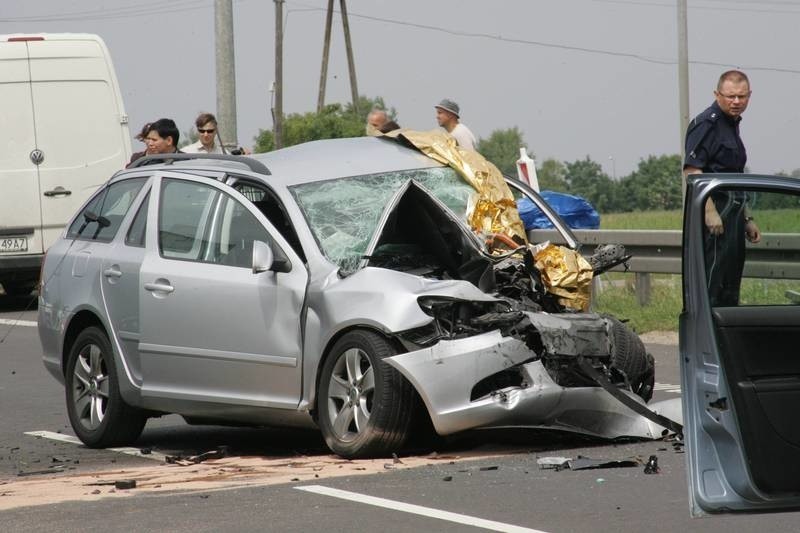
777, 256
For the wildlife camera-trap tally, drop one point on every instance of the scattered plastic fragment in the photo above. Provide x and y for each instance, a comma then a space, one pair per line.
447, 478
125, 484
555, 463
485, 468
652, 466
586, 463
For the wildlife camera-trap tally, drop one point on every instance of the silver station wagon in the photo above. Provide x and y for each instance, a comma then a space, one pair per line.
334, 283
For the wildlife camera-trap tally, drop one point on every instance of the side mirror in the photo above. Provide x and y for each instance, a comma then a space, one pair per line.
264, 259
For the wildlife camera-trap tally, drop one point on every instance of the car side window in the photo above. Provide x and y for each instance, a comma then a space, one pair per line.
755, 261
184, 210
136, 233
100, 219
200, 223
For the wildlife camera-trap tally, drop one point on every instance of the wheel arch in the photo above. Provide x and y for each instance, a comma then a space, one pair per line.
327, 351
83, 319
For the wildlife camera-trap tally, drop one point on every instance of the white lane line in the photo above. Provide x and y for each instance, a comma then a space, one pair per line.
136, 452
10, 322
417, 509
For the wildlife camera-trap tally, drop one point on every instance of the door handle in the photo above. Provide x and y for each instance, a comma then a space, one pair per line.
159, 287
113, 272
58, 191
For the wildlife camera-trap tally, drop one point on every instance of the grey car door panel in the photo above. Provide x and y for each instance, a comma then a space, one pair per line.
740, 368
212, 330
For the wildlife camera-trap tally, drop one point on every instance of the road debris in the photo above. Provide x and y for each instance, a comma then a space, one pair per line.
219, 453
51, 470
652, 466
587, 463
554, 463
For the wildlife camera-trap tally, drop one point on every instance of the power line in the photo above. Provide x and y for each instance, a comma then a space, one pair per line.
543, 44
710, 8
139, 10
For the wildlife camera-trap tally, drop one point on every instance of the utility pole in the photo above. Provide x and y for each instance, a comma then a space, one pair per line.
278, 110
350, 62
683, 77
226, 73
326, 47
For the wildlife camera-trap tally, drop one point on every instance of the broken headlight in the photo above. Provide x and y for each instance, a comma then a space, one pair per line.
462, 318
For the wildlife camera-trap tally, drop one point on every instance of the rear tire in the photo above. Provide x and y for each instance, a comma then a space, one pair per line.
630, 356
364, 405
97, 412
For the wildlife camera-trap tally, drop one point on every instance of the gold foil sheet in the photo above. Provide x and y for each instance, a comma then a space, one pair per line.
566, 274
493, 210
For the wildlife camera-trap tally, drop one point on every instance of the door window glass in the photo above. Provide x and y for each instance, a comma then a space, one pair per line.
136, 233
200, 223
756, 258
101, 217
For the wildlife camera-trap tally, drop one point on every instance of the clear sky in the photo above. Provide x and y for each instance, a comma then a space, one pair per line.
578, 77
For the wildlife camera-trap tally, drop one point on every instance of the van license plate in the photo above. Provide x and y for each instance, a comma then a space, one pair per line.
13, 244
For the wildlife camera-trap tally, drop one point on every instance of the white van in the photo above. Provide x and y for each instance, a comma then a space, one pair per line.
65, 133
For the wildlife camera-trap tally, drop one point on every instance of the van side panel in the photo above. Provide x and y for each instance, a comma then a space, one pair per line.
80, 125
20, 214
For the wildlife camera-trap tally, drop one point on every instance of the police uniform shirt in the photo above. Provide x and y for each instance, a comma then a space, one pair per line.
713, 143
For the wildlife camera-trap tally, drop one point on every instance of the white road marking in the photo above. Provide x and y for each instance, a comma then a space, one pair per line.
10, 322
75, 440
416, 509
666, 387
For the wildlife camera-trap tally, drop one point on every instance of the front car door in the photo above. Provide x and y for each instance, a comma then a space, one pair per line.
211, 329
740, 362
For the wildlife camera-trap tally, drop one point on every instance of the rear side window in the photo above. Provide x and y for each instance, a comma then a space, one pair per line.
101, 217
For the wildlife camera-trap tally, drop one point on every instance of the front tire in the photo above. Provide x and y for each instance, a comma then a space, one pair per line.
364, 405
631, 357
97, 412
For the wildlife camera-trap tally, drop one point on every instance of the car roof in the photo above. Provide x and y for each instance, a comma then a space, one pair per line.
336, 158
312, 161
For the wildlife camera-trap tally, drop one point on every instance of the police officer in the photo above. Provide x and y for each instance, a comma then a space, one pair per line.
713, 145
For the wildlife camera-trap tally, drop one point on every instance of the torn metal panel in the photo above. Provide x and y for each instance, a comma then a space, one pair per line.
446, 376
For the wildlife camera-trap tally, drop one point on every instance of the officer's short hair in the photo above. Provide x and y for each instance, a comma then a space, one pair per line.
734, 76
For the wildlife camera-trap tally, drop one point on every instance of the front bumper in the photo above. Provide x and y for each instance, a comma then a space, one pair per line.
444, 376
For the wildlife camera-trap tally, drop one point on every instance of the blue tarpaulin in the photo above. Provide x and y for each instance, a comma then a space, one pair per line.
576, 211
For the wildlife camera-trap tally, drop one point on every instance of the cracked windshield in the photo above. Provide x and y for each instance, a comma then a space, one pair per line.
343, 213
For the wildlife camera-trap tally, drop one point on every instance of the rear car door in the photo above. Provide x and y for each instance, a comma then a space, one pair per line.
211, 329
740, 363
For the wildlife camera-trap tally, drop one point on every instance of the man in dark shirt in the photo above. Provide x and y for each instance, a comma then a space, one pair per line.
713, 145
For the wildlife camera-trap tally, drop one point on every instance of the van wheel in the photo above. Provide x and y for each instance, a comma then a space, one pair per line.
12, 288
95, 407
364, 405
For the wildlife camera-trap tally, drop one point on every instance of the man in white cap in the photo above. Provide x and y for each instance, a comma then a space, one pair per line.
447, 115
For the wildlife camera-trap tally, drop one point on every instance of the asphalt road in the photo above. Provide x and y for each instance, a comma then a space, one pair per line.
505, 490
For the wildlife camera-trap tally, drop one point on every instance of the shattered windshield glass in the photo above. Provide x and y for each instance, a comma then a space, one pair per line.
343, 213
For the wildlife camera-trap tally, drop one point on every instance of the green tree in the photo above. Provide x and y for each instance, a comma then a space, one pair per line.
654, 185
502, 149
587, 179
335, 121
552, 176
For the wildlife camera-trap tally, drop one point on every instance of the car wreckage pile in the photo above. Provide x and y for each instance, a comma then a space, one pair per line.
522, 349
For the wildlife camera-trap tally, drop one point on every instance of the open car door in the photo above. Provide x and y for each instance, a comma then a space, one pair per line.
740, 362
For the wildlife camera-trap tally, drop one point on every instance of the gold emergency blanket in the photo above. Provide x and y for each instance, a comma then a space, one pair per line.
494, 209
566, 274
